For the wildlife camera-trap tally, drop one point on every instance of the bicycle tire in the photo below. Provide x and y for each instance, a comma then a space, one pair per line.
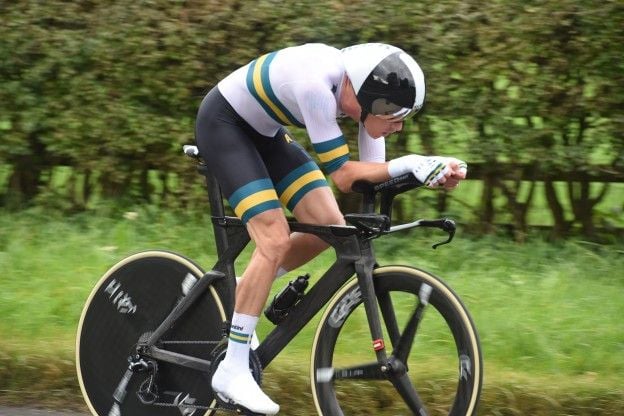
444, 364
130, 301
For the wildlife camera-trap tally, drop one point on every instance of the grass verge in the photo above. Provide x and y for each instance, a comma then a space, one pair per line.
549, 316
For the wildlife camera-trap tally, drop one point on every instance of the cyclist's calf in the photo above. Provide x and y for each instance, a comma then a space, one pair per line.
270, 232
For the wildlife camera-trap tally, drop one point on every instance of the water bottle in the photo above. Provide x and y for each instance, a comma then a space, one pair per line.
286, 299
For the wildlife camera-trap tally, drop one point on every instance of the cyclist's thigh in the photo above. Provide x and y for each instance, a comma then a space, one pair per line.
225, 143
319, 206
292, 170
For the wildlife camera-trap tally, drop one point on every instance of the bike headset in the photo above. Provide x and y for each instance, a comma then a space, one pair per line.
386, 80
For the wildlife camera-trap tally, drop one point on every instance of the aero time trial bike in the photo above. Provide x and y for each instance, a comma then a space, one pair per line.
154, 328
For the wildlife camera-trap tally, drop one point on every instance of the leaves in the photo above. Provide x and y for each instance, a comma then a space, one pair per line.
113, 87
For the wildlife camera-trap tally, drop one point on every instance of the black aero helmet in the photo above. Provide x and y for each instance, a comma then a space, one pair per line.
387, 81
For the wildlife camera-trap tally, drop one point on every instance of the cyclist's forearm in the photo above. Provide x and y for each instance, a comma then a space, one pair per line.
353, 171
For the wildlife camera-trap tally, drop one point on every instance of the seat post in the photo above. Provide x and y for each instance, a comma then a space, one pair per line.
230, 237
217, 210
215, 197
229, 241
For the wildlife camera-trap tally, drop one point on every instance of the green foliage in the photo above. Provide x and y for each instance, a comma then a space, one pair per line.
111, 89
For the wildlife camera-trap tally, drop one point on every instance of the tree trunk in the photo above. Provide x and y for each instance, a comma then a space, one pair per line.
87, 188
583, 205
487, 204
442, 203
146, 188
560, 227
165, 188
426, 135
519, 210
23, 182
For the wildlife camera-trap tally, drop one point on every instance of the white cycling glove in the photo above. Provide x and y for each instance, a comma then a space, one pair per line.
427, 169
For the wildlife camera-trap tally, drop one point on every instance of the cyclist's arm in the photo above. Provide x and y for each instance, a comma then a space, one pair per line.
318, 107
430, 170
370, 149
352, 171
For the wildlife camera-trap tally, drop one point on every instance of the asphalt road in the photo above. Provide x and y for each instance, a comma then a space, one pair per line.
18, 411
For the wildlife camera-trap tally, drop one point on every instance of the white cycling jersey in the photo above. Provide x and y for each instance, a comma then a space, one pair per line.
299, 86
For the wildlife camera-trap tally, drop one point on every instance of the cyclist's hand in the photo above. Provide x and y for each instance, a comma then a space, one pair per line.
457, 170
430, 170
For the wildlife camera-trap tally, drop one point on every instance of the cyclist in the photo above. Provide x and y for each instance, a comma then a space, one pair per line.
240, 134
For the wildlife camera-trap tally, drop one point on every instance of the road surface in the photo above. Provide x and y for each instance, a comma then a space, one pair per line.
19, 411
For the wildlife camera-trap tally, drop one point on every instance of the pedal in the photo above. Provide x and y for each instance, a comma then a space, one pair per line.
248, 412
225, 403
229, 405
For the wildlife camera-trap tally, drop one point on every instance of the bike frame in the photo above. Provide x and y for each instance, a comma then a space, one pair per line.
354, 255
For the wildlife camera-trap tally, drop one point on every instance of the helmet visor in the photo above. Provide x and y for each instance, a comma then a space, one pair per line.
389, 110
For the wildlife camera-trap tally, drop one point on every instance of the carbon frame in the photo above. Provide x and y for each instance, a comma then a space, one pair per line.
354, 255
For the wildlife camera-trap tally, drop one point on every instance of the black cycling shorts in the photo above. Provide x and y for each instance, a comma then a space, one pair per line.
256, 173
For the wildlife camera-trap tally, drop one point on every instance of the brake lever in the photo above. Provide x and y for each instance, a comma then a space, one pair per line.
445, 224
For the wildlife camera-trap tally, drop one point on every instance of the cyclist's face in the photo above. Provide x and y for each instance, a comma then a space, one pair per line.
376, 126
380, 127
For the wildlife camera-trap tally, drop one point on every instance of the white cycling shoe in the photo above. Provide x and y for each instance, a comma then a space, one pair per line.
240, 389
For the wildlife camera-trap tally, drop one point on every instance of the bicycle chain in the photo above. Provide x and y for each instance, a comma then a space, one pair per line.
148, 392
224, 407
200, 407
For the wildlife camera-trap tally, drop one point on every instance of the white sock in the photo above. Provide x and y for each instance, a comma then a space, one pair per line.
241, 329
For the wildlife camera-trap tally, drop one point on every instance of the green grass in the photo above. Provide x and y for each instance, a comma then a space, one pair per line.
549, 316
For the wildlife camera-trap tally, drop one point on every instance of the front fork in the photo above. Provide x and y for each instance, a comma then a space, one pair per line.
394, 368
387, 365
364, 270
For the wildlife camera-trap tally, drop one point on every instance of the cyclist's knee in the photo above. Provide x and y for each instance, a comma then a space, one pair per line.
271, 234
335, 218
274, 248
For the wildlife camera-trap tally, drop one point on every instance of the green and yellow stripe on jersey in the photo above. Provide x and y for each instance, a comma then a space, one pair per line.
252, 199
259, 85
298, 183
332, 153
